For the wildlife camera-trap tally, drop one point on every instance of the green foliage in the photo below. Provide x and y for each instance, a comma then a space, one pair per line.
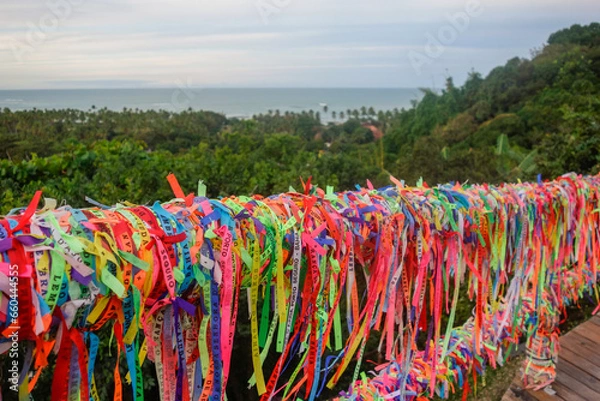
263, 155
544, 109
577, 34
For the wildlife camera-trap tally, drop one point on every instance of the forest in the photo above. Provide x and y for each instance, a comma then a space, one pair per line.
538, 115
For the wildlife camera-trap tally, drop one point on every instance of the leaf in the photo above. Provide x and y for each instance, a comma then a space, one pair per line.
528, 164
503, 146
444, 152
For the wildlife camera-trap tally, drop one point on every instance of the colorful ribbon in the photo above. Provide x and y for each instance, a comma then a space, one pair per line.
389, 264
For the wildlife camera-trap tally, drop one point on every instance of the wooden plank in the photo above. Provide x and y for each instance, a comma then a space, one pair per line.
591, 367
589, 331
581, 376
581, 341
577, 343
591, 324
580, 345
580, 354
567, 378
595, 320
565, 393
556, 396
578, 369
541, 395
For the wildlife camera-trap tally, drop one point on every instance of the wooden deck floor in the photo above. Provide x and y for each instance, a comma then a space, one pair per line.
578, 370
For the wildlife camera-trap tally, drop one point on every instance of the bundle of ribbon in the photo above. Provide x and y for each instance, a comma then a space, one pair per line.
322, 272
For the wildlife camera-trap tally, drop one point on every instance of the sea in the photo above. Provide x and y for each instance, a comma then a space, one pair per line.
240, 103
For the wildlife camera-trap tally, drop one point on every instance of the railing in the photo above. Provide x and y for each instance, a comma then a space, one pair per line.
322, 272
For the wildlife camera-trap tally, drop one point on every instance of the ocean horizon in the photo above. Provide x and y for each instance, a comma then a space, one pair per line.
233, 102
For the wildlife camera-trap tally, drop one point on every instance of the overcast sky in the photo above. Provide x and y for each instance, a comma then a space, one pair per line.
269, 43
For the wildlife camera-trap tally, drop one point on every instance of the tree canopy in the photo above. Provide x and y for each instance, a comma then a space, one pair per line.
527, 117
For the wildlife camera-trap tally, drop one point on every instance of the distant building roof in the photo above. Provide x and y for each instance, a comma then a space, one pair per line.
377, 133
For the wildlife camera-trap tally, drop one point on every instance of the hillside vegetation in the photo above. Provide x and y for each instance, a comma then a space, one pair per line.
528, 117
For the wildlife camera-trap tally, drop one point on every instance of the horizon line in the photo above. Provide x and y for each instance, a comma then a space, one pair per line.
218, 87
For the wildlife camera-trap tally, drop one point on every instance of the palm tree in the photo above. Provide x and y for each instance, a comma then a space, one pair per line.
333, 114
363, 111
512, 161
325, 108
342, 115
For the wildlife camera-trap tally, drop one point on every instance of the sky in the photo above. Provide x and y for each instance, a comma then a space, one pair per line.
55, 44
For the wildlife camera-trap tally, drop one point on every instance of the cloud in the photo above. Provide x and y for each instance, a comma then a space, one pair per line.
332, 43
